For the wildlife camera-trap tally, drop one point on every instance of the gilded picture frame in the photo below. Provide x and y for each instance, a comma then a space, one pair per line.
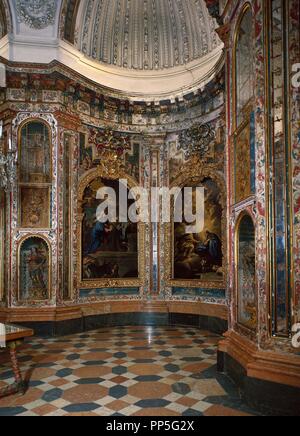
111, 171
193, 176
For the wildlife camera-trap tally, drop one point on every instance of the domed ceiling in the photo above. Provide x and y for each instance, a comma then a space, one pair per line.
149, 50
145, 34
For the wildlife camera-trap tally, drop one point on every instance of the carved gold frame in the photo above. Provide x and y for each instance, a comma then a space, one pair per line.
111, 169
20, 244
193, 175
241, 216
31, 184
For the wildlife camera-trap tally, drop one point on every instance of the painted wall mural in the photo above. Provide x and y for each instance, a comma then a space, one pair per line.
34, 269
246, 273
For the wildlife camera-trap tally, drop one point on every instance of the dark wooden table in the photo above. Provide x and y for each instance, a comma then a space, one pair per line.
11, 337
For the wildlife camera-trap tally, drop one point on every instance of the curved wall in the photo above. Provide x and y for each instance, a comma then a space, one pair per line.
95, 133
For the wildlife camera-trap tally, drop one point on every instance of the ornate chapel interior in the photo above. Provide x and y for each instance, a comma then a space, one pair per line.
145, 318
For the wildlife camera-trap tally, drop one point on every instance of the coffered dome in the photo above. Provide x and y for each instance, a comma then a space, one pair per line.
148, 50
145, 34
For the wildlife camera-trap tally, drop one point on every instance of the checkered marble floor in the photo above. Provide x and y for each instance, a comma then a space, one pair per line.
136, 371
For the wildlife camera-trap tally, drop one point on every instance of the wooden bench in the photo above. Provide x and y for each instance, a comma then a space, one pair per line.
11, 337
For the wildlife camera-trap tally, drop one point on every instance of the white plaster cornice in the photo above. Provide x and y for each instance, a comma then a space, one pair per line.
146, 85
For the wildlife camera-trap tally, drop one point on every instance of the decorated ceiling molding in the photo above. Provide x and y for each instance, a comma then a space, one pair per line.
145, 49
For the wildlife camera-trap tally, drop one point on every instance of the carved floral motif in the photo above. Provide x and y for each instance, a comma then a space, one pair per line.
196, 140
37, 14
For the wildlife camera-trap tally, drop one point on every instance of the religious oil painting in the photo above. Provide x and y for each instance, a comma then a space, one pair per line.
35, 154
246, 281
109, 250
199, 256
34, 267
34, 207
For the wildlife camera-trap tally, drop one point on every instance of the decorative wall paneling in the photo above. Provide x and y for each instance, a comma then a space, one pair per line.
263, 355
279, 166
87, 127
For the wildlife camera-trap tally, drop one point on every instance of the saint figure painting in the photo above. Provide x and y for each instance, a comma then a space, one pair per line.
34, 270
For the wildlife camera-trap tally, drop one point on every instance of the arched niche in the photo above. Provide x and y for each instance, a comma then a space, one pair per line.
35, 152
34, 260
246, 272
243, 64
35, 174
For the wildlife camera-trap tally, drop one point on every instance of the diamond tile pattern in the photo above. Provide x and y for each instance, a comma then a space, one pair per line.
154, 371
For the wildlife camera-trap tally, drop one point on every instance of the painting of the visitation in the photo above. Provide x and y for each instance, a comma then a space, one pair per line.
109, 250
200, 256
34, 270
